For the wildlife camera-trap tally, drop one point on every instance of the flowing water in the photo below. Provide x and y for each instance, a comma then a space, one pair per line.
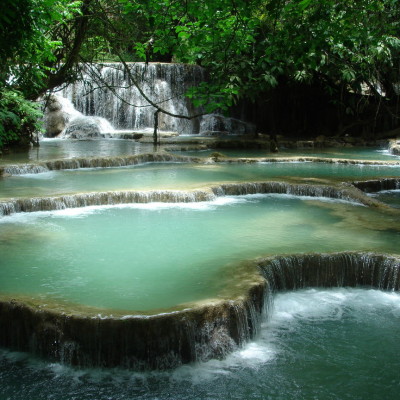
391, 197
164, 84
318, 344
180, 175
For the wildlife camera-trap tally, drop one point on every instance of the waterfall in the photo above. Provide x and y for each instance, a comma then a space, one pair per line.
121, 161
79, 335
34, 204
377, 185
106, 90
346, 193
11, 206
94, 162
336, 269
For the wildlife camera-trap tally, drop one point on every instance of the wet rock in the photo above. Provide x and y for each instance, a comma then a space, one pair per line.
394, 146
396, 150
82, 128
305, 144
349, 139
56, 118
216, 124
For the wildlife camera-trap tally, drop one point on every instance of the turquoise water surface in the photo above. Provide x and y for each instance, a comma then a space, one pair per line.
179, 176
150, 256
320, 344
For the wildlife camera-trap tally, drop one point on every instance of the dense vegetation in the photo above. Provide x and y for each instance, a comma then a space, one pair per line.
271, 52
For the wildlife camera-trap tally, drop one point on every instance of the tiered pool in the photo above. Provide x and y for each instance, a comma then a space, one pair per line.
160, 258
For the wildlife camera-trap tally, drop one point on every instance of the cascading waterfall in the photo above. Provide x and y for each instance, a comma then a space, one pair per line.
378, 185
82, 337
107, 90
244, 188
102, 198
330, 270
11, 206
121, 161
86, 336
93, 162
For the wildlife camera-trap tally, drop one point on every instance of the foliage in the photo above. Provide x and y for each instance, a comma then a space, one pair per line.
31, 52
19, 118
217, 35
248, 47
31, 30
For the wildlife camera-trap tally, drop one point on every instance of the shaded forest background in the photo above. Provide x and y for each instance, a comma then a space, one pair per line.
295, 67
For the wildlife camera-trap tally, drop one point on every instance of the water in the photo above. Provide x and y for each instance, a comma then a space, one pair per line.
55, 149
51, 149
319, 344
391, 197
164, 84
178, 176
352, 153
322, 344
123, 257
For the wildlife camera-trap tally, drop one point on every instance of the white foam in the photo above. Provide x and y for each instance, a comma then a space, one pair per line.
290, 309
44, 175
220, 201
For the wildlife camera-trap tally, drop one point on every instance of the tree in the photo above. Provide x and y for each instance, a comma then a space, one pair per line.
251, 47
40, 44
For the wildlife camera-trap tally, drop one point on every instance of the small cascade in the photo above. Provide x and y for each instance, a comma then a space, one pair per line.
34, 204
94, 162
236, 189
394, 147
377, 185
315, 160
87, 127
21, 169
84, 337
332, 270
121, 161
11, 206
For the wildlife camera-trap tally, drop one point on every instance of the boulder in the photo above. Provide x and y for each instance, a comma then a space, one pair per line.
217, 124
82, 128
